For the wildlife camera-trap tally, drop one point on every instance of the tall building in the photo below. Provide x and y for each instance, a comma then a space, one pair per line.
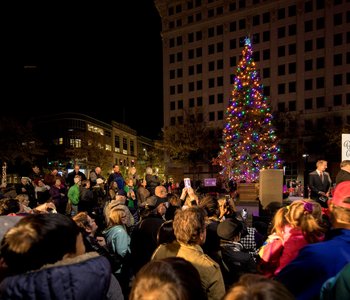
302, 50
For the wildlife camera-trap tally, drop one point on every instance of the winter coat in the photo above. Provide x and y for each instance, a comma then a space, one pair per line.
71, 278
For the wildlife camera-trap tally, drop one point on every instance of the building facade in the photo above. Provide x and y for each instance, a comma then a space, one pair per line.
302, 51
77, 138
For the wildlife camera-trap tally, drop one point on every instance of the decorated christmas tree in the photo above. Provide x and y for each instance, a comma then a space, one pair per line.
249, 140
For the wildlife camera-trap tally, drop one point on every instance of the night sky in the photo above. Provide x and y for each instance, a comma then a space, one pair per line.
108, 53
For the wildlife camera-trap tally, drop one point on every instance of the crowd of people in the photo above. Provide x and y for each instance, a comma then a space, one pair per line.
90, 237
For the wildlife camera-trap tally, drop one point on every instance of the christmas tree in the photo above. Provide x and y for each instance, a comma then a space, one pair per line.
249, 140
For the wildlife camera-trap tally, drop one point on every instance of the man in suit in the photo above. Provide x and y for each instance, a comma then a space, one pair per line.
320, 183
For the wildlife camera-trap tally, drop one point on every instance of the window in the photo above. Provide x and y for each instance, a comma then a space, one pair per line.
266, 72
211, 99
190, 70
308, 45
199, 85
281, 14
220, 81
319, 82
132, 148
125, 144
308, 84
256, 20
211, 82
211, 116
179, 88
292, 29
292, 11
292, 49
338, 79
320, 43
220, 98
308, 26
172, 121
308, 103
199, 52
281, 51
308, 6
191, 86
219, 30
180, 120
199, 35
211, 32
233, 26
281, 32
292, 87
292, 105
191, 102
211, 49
281, 88
241, 24
266, 54
199, 101
211, 66
220, 115
190, 37
172, 74
292, 68
172, 90
320, 102
220, 64
233, 44
267, 90
233, 61
180, 104
320, 4
337, 100
179, 41
338, 59
256, 56
320, 23
338, 39
266, 36
172, 105
338, 19
281, 70
219, 47
266, 17
320, 63
199, 68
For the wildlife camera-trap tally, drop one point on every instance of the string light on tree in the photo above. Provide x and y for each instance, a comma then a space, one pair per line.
249, 140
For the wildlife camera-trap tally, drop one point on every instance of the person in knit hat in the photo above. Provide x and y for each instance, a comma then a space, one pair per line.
316, 263
235, 257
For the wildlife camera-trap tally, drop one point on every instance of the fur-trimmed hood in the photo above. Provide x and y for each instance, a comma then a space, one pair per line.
86, 276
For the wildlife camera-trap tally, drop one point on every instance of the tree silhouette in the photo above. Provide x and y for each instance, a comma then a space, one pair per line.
249, 139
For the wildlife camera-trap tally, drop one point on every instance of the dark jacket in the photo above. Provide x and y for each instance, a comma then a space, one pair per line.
67, 279
316, 185
342, 176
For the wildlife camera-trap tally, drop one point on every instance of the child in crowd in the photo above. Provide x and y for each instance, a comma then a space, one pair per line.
294, 226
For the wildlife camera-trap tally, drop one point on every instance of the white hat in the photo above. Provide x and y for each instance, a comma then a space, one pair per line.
99, 180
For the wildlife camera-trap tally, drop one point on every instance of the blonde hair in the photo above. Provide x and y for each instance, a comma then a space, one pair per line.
304, 214
115, 217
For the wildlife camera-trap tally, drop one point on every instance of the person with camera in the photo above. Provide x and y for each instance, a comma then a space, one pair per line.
320, 183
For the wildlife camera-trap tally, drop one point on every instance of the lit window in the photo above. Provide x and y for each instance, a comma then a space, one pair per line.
108, 147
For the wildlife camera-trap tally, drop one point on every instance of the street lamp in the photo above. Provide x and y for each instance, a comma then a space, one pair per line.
306, 191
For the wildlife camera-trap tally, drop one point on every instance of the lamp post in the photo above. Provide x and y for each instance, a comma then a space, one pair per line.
306, 191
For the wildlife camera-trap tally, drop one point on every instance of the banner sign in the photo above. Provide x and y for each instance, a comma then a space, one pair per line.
345, 146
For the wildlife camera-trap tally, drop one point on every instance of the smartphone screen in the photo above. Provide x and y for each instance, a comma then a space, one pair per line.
187, 182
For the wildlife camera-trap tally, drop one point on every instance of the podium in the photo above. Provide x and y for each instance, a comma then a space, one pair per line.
270, 186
